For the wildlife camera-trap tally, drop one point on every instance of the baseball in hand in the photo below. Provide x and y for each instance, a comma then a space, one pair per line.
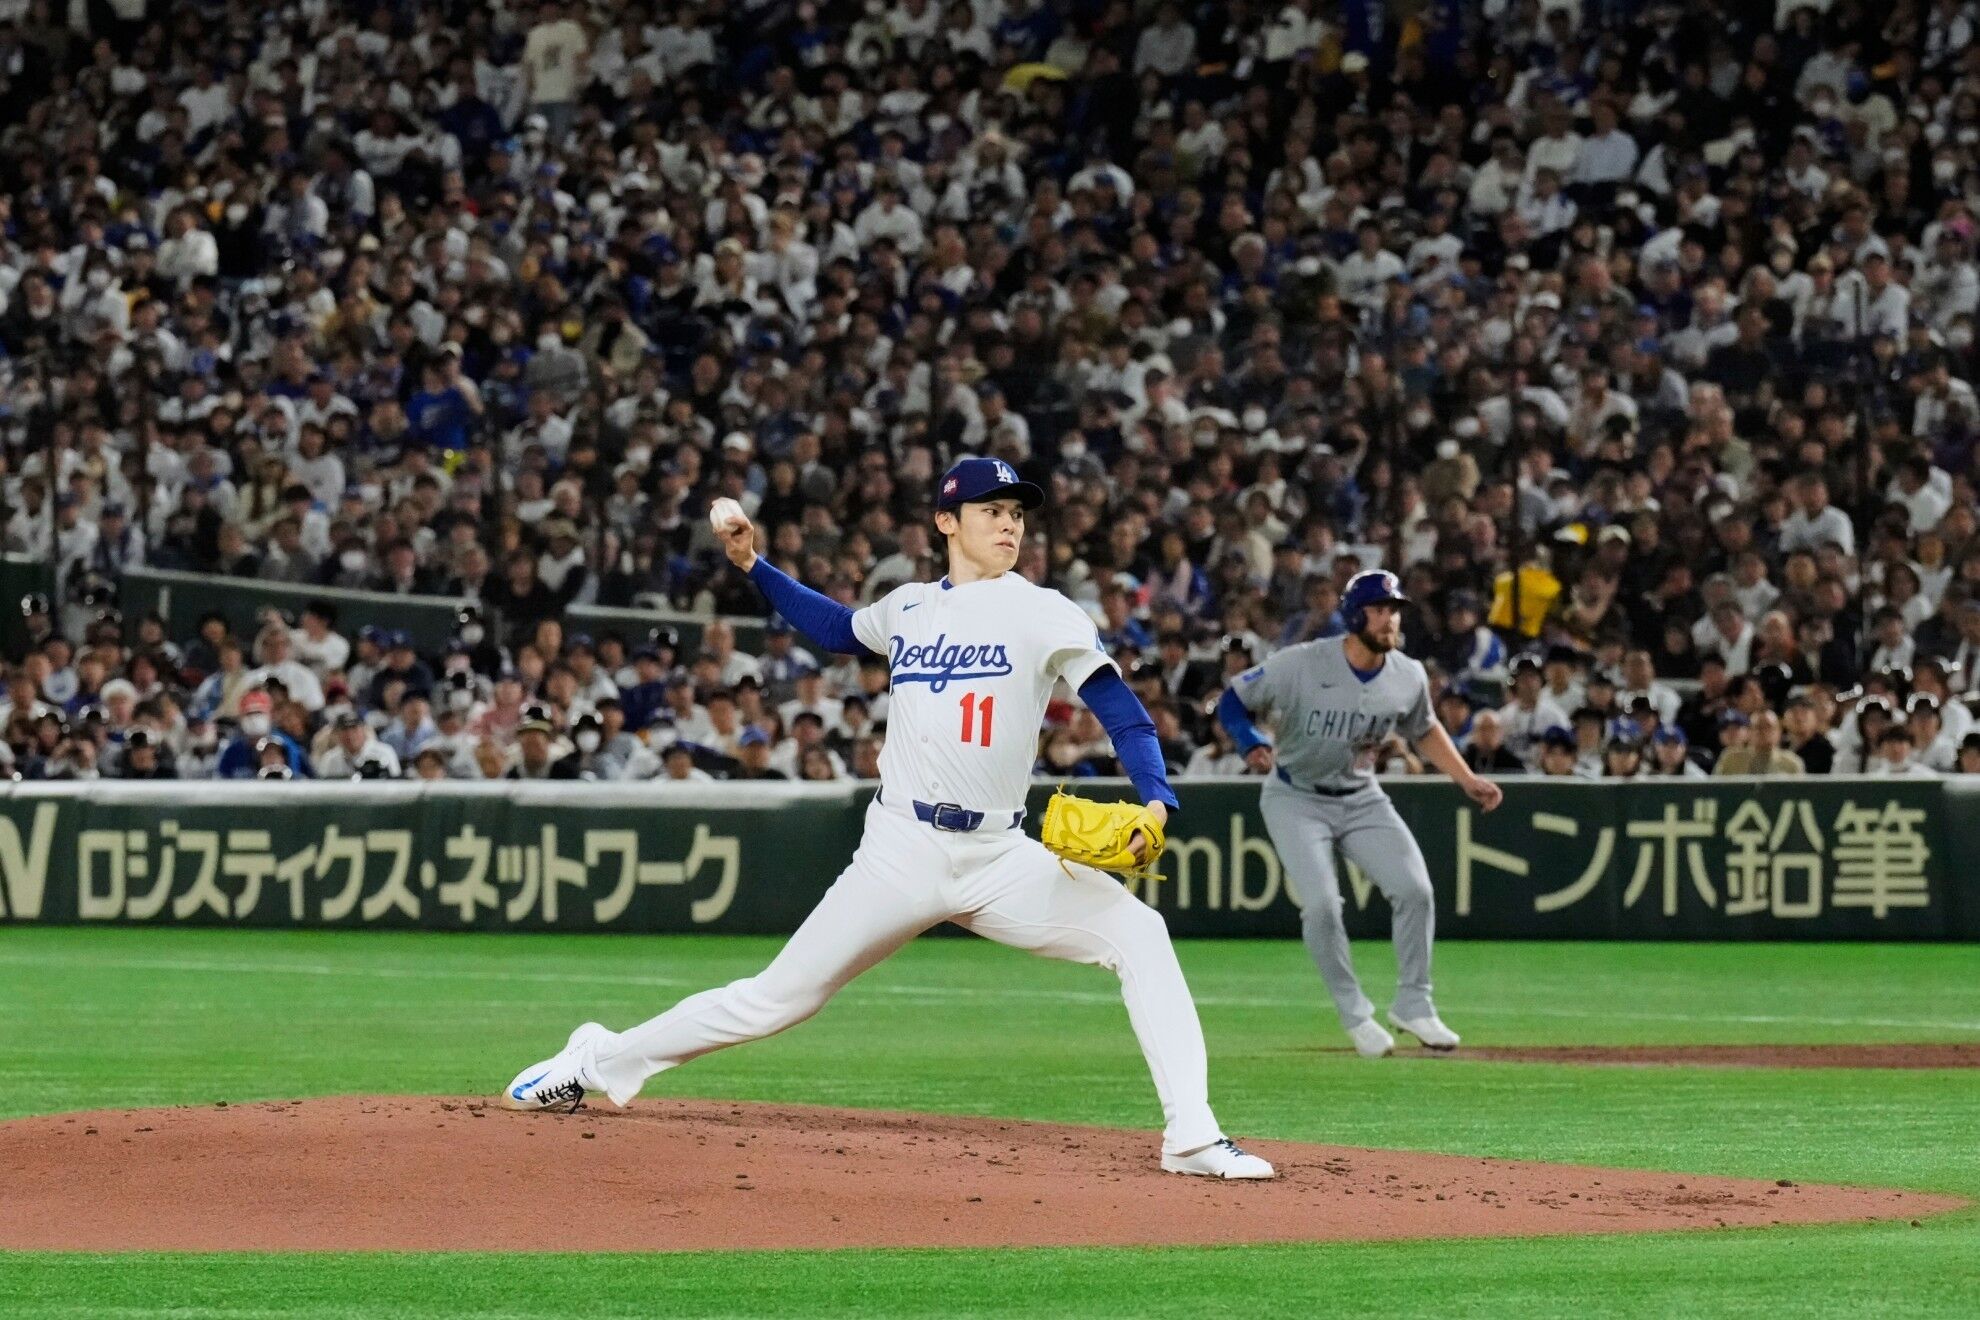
733, 530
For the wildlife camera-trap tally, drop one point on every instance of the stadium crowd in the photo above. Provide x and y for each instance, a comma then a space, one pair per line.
1637, 336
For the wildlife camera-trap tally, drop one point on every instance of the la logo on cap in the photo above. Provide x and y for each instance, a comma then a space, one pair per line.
1004, 473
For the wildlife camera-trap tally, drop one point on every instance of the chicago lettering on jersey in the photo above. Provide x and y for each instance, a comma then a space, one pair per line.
1349, 726
940, 663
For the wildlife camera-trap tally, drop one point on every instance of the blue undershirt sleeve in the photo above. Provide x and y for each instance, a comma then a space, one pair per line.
1121, 713
1236, 719
823, 621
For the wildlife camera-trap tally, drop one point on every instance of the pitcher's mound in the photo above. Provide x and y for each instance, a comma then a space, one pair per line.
428, 1174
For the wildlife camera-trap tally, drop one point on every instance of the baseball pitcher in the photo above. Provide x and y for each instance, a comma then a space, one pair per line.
1333, 703
973, 660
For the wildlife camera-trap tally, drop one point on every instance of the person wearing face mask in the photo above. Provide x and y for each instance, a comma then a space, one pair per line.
588, 759
462, 692
471, 638
239, 759
351, 569
96, 303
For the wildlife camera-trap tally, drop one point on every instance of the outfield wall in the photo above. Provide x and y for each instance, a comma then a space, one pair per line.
1856, 859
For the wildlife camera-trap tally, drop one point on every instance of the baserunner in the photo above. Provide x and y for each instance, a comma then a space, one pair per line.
1332, 703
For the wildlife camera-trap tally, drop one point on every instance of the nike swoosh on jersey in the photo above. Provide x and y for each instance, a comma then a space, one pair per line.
906, 608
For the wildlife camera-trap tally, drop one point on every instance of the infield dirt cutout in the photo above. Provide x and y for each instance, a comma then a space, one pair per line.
432, 1174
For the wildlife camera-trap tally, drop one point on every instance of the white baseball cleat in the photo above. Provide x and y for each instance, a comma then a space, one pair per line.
560, 1081
1220, 1159
1371, 1041
1429, 1029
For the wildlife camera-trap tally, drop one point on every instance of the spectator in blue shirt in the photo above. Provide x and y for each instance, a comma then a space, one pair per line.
444, 412
241, 757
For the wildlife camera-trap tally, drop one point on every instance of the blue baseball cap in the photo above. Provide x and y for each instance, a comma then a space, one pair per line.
753, 737
973, 479
1669, 733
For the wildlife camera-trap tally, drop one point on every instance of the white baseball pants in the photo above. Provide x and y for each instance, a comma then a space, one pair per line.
906, 877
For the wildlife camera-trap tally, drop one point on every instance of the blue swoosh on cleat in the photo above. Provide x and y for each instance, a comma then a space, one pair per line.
520, 1087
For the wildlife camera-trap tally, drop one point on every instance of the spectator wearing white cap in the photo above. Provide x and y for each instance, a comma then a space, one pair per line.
355, 750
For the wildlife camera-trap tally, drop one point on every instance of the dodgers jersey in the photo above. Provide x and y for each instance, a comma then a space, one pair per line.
972, 668
1327, 721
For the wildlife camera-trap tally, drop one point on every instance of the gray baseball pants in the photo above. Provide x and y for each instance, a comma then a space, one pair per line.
1306, 828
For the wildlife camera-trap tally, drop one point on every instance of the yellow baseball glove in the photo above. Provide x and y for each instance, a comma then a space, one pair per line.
1096, 834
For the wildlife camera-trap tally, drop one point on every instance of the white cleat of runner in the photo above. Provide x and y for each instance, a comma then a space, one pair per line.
1429, 1029
1371, 1040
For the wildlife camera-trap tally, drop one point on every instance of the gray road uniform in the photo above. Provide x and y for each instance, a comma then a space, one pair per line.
1323, 794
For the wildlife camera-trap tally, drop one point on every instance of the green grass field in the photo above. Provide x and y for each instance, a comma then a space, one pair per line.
113, 1018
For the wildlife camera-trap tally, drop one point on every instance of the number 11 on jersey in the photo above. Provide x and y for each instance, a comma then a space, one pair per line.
971, 708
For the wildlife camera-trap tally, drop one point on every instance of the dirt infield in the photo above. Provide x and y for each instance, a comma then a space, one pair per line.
1731, 1056
428, 1174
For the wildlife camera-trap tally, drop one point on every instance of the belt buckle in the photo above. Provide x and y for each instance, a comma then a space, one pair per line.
949, 816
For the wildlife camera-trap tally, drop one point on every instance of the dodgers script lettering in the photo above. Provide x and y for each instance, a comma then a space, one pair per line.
940, 662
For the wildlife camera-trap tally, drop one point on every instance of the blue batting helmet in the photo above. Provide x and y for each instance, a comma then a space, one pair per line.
1375, 587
